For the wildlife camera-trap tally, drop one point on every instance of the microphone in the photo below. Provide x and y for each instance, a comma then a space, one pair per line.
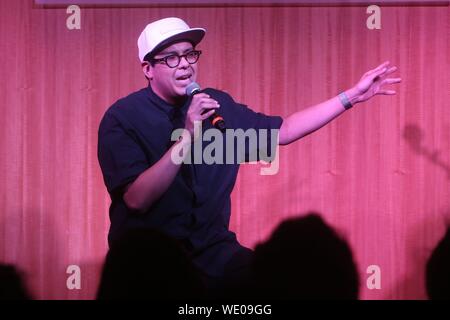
216, 119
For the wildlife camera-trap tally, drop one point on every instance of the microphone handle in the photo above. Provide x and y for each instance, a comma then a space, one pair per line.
217, 121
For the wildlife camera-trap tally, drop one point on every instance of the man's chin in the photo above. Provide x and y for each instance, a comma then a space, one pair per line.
180, 90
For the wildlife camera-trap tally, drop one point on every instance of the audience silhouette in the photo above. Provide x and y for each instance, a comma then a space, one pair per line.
147, 264
11, 284
304, 259
438, 270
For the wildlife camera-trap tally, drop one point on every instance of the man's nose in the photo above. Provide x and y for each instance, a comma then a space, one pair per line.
183, 62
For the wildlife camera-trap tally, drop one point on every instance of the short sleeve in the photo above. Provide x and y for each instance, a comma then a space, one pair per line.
265, 127
249, 119
121, 158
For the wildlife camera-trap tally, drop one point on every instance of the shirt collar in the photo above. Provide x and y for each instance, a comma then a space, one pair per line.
165, 106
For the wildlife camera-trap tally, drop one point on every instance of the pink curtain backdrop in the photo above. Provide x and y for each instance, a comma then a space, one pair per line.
380, 173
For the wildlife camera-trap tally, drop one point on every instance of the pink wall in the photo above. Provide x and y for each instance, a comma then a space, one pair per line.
380, 173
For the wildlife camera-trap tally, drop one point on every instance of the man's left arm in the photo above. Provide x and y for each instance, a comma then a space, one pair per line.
310, 119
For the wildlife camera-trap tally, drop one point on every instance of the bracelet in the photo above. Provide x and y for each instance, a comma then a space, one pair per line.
345, 102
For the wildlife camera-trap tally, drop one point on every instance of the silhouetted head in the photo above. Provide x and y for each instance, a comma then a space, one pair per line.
11, 284
438, 270
147, 264
305, 259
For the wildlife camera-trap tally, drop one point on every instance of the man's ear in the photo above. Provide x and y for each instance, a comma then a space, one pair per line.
147, 69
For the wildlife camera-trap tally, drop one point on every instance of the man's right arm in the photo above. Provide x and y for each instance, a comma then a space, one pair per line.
151, 184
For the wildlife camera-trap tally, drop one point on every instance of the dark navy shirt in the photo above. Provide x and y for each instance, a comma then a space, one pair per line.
135, 133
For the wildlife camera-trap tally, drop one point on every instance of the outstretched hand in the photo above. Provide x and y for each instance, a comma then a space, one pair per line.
373, 81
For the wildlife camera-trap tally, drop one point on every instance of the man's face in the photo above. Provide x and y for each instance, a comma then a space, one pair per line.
170, 83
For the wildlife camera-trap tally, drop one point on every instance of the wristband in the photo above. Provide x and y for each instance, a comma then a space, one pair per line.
345, 102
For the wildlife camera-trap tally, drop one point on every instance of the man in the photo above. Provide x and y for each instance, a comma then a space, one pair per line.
191, 202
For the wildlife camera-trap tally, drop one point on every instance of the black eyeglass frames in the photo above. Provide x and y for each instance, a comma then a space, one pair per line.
173, 60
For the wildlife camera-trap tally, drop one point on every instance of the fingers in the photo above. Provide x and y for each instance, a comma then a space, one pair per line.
200, 95
387, 92
382, 66
391, 81
202, 103
382, 76
208, 104
385, 72
206, 115
390, 70
377, 69
381, 70
202, 106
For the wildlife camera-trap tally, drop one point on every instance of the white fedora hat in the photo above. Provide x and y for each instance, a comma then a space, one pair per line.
160, 33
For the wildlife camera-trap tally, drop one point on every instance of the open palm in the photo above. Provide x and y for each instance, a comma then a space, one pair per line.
373, 81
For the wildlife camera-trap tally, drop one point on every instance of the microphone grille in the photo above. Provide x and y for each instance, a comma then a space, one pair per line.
192, 88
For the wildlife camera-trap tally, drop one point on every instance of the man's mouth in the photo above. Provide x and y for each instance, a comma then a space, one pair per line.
184, 77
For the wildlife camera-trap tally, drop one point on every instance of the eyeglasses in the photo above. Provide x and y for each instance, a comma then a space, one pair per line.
173, 60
